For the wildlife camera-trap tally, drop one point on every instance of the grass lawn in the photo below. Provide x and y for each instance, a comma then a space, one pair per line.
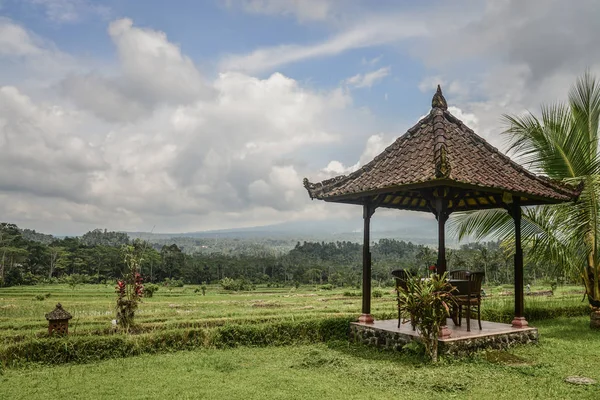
335, 371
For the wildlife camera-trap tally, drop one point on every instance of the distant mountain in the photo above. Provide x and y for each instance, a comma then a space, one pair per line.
417, 229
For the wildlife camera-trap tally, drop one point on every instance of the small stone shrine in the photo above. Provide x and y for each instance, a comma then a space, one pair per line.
58, 321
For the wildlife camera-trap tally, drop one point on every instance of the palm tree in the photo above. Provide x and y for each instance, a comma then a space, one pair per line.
563, 145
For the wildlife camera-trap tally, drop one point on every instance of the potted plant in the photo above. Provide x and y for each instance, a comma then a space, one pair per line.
427, 303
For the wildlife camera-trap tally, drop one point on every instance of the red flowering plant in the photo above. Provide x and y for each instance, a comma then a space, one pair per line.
130, 289
432, 269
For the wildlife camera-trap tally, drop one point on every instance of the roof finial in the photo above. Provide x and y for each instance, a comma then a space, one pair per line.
438, 100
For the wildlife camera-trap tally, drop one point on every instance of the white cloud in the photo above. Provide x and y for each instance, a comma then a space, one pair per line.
336, 167
374, 31
153, 140
153, 71
41, 151
24, 56
469, 119
155, 66
372, 61
374, 146
430, 83
303, 10
208, 155
368, 79
511, 57
70, 11
16, 41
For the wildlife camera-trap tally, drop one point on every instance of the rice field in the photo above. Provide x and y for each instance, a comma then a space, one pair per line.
93, 306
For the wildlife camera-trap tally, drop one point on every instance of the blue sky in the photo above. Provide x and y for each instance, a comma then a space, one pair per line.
194, 115
207, 31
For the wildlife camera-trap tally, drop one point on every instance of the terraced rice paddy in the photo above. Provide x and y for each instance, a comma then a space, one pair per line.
93, 307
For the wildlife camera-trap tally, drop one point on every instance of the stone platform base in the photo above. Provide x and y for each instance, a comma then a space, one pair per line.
386, 334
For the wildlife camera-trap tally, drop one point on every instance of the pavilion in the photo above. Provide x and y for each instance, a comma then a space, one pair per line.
441, 166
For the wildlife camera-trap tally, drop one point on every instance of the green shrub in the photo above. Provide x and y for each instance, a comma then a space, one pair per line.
229, 284
173, 282
30, 279
42, 297
201, 289
236, 284
352, 294
327, 286
377, 293
533, 313
150, 289
79, 349
74, 280
283, 333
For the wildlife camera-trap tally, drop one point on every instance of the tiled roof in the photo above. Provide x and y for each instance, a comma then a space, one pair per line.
58, 313
440, 151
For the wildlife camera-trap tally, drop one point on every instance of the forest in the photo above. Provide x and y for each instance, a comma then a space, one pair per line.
28, 258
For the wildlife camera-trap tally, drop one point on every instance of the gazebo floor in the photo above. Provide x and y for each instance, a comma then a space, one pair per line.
386, 334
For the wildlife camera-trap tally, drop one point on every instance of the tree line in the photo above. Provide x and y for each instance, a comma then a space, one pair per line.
28, 257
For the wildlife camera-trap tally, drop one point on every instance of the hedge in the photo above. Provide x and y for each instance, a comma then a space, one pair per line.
81, 349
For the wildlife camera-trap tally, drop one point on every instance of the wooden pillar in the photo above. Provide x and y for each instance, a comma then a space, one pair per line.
441, 206
441, 213
519, 321
366, 316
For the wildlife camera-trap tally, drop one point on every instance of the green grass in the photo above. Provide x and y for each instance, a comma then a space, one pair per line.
334, 371
180, 319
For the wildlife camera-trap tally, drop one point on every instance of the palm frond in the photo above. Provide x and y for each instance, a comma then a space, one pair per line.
562, 144
481, 224
584, 100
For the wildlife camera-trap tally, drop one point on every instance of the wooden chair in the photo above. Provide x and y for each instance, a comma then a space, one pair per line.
459, 274
401, 276
469, 295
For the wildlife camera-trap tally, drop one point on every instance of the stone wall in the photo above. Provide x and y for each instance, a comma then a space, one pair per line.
378, 337
496, 342
396, 341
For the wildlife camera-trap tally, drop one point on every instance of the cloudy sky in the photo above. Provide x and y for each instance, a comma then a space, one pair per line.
195, 115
